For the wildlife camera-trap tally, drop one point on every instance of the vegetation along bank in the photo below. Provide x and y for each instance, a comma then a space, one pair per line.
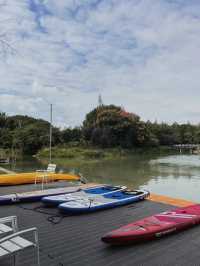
106, 130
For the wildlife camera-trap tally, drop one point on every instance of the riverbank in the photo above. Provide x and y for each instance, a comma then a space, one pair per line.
92, 153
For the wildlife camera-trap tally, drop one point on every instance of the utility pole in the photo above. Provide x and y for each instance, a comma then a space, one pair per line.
50, 133
100, 101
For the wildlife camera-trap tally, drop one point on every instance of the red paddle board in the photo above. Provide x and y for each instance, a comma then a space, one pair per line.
155, 226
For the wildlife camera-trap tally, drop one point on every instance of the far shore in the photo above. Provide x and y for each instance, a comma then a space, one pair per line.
92, 153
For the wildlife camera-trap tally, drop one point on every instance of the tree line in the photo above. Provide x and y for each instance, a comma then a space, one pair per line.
106, 126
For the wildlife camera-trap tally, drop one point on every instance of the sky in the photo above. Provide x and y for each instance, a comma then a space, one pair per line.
143, 55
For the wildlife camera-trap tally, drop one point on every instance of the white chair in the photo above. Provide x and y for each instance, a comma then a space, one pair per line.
11, 245
51, 168
4, 225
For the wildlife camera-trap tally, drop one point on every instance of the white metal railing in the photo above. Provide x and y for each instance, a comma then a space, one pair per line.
51, 168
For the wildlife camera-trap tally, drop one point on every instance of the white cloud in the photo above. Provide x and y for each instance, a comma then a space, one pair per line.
140, 55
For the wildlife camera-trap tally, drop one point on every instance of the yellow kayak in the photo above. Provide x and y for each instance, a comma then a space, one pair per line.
31, 178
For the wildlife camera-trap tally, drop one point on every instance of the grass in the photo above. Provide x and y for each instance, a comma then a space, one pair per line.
80, 153
94, 154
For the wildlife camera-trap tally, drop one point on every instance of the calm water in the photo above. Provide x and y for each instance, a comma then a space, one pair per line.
173, 175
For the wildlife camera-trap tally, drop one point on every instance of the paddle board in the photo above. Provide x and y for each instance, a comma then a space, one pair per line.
155, 226
81, 195
101, 202
37, 195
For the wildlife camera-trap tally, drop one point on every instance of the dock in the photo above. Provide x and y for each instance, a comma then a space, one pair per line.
76, 240
170, 201
193, 148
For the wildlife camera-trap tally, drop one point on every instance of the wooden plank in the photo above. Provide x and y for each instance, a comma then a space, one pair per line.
170, 200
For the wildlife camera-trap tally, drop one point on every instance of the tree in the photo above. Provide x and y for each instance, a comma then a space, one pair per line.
110, 126
26, 133
71, 134
3, 119
31, 138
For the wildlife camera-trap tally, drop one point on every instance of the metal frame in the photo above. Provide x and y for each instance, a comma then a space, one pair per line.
20, 233
45, 178
12, 220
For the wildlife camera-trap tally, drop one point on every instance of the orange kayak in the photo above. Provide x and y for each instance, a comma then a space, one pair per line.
31, 178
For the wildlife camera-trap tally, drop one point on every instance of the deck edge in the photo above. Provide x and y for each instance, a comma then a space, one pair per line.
170, 200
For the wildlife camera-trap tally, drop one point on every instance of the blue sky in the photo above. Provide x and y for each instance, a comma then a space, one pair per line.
140, 54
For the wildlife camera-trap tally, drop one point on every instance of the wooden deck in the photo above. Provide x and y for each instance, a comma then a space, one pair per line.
76, 240
170, 200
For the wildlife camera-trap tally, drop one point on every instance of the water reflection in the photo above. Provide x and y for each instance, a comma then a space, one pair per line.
174, 175
177, 176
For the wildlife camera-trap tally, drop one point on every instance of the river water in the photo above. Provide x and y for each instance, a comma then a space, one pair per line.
173, 175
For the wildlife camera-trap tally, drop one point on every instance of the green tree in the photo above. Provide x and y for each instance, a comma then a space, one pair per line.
110, 126
3, 119
71, 134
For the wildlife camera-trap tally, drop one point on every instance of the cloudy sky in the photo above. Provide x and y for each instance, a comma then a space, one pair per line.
141, 54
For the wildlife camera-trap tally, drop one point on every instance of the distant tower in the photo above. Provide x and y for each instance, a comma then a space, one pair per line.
100, 101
